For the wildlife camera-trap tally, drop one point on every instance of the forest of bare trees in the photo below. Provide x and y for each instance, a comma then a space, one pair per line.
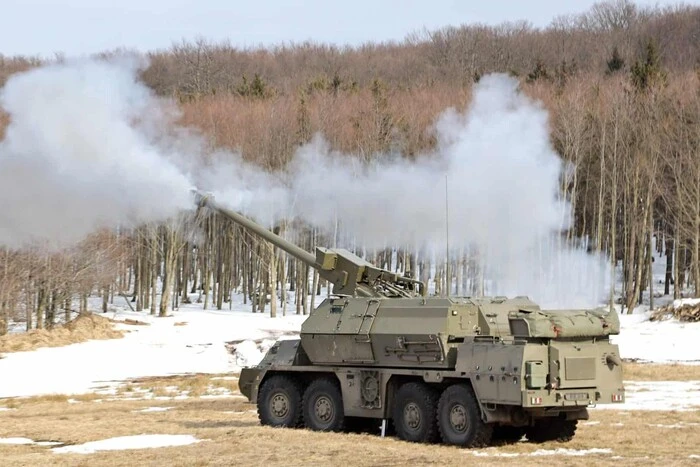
621, 83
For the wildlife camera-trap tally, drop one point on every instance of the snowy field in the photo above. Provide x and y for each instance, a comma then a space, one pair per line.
192, 340
667, 341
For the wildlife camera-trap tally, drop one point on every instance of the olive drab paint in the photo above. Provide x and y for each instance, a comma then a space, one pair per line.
515, 364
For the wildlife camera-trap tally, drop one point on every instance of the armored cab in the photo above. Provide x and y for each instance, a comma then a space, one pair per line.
461, 370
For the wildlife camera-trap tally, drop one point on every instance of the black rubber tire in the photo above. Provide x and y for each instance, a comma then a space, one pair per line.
279, 402
552, 429
459, 418
323, 406
414, 413
504, 434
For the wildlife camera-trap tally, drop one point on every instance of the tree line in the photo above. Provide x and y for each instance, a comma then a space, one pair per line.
621, 83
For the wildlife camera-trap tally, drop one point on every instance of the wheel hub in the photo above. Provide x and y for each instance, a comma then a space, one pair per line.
280, 405
411, 415
323, 408
458, 418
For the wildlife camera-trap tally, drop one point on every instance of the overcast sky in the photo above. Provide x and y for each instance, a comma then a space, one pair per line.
78, 27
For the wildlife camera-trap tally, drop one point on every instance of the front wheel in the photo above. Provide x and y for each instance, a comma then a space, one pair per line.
323, 406
459, 418
279, 402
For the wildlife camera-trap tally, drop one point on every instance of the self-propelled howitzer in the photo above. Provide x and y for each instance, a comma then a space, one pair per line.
464, 370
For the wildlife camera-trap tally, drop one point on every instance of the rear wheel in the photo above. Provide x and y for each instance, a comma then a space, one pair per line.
552, 429
323, 406
459, 418
279, 402
414, 413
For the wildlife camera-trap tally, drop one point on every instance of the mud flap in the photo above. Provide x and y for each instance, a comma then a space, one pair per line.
249, 381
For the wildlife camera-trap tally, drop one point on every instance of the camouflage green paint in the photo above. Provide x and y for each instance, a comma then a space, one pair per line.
378, 328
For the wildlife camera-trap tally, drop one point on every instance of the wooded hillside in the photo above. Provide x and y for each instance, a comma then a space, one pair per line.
621, 83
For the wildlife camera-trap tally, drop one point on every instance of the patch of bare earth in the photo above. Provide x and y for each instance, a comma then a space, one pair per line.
84, 327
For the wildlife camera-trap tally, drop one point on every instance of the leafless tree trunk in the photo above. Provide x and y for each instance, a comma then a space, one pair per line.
272, 280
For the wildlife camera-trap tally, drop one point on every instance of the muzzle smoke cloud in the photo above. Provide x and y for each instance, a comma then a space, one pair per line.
89, 146
80, 153
495, 165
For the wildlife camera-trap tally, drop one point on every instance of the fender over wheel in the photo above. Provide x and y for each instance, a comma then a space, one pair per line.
279, 402
459, 418
323, 406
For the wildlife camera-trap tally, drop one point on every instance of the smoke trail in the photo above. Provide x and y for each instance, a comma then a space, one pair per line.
81, 153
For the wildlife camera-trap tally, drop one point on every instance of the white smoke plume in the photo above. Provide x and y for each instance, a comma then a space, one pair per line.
81, 153
89, 146
501, 177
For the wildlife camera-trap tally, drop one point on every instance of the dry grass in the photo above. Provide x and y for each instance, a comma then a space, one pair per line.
685, 313
660, 372
191, 385
135, 322
83, 328
50, 398
231, 431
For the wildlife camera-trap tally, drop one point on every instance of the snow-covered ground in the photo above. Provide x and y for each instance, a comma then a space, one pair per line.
659, 395
193, 340
119, 443
128, 442
658, 342
494, 452
668, 341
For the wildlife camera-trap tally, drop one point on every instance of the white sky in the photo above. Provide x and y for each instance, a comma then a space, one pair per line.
77, 27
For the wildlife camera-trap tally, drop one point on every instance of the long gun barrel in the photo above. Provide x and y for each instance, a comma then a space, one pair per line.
203, 200
349, 274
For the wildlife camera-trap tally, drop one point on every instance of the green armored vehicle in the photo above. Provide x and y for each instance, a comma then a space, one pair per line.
461, 370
